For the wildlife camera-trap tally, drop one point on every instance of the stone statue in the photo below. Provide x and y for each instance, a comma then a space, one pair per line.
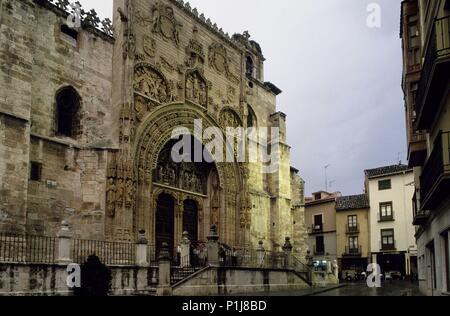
111, 198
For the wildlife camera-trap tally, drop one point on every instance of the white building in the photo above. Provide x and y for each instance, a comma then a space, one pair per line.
392, 241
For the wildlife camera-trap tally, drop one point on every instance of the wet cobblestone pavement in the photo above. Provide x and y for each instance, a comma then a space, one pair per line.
396, 288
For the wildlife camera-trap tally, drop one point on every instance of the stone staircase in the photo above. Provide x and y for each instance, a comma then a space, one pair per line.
178, 274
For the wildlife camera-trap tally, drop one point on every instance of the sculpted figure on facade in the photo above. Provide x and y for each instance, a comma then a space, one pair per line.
129, 201
196, 88
111, 198
120, 193
151, 83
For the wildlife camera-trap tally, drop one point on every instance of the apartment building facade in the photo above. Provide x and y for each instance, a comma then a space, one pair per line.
426, 31
320, 219
352, 234
392, 244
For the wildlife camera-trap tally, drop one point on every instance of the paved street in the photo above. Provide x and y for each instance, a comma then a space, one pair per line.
396, 288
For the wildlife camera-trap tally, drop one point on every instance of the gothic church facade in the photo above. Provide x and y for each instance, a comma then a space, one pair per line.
86, 119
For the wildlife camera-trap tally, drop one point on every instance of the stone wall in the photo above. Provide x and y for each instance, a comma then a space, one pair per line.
39, 60
14, 147
51, 280
233, 281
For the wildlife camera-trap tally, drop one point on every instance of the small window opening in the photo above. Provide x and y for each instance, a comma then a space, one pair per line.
68, 112
69, 32
35, 171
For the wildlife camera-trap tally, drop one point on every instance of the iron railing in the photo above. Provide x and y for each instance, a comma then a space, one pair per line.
187, 266
319, 251
353, 251
151, 255
241, 257
387, 247
27, 249
352, 229
438, 46
109, 253
302, 269
435, 166
316, 228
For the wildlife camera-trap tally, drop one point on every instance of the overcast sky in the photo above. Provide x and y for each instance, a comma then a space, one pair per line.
340, 80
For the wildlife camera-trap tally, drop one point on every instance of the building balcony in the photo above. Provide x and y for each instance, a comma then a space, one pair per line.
417, 149
435, 178
319, 251
435, 75
420, 217
352, 251
388, 247
352, 229
316, 229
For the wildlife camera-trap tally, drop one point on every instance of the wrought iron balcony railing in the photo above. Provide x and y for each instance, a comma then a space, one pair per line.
316, 228
388, 246
436, 173
435, 73
353, 251
353, 229
319, 251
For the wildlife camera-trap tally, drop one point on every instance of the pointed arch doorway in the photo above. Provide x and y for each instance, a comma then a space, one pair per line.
165, 223
190, 219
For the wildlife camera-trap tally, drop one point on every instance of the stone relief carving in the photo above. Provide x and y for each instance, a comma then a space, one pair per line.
231, 94
169, 66
120, 185
194, 52
229, 118
111, 198
143, 20
165, 24
186, 176
219, 60
196, 88
129, 46
151, 83
149, 46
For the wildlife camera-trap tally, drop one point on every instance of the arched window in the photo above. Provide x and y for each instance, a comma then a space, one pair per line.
250, 67
68, 112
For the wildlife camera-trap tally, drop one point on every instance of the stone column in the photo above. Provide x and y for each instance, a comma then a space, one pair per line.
164, 288
185, 260
260, 255
287, 249
213, 247
141, 250
65, 236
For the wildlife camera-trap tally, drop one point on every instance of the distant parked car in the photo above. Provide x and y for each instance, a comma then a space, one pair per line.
393, 276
